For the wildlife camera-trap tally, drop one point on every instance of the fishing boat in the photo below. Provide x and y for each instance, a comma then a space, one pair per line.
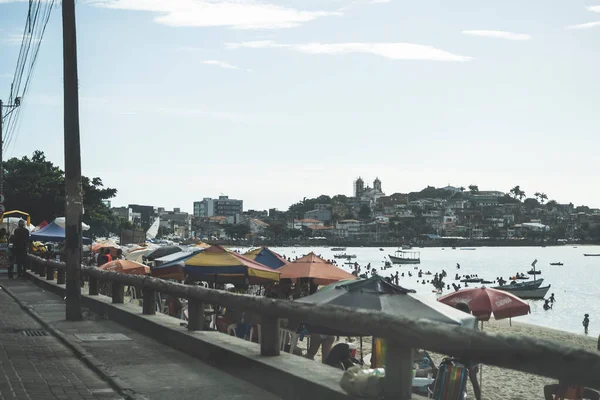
405, 257
521, 285
556, 263
592, 254
534, 271
526, 293
338, 249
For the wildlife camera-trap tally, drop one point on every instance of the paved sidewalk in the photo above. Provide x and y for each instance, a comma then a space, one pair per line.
148, 367
40, 367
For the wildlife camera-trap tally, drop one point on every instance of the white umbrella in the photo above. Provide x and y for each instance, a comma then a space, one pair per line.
61, 221
137, 255
12, 223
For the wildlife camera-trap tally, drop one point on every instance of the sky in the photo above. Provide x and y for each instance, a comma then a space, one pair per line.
271, 101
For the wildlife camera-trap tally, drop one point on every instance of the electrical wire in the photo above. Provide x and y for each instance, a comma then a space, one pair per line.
35, 26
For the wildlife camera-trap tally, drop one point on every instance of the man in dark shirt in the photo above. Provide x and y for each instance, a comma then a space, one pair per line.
20, 239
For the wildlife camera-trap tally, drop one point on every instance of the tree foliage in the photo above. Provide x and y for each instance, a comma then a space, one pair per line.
37, 186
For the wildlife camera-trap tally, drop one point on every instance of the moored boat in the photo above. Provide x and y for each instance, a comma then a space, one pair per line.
405, 257
526, 293
534, 271
592, 254
521, 285
338, 249
556, 263
346, 256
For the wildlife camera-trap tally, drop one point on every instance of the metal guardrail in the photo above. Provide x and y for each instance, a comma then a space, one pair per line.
531, 355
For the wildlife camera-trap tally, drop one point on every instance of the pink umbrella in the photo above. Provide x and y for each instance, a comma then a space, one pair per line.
484, 302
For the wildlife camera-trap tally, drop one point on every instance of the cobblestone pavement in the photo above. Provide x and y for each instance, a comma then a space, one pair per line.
40, 367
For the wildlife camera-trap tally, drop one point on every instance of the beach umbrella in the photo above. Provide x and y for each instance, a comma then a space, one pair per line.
62, 222
137, 255
377, 294
126, 267
267, 257
484, 302
104, 245
314, 267
162, 251
216, 264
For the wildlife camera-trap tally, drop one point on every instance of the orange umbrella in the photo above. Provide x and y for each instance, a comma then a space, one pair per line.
100, 245
314, 267
126, 267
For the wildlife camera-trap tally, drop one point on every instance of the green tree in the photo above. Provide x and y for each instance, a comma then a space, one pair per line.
517, 192
474, 189
276, 229
531, 203
36, 186
364, 212
237, 231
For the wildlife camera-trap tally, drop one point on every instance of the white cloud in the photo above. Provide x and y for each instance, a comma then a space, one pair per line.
594, 9
498, 34
5, 76
221, 64
239, 14
587, 25
394, 51
380, 1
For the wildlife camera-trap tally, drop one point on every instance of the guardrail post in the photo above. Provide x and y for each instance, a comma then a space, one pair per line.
148, 303
195, 315
118, 294
397, 383
269, 344
93, 291
60, 275
49, 272
41, 269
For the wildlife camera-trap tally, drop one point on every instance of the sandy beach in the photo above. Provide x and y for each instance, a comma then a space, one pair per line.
500, 383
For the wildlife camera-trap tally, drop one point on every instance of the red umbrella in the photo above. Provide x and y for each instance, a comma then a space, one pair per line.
485, 301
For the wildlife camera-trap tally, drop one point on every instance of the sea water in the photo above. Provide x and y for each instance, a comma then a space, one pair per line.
575, 284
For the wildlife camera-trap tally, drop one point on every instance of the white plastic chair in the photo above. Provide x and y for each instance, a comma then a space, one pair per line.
284, 334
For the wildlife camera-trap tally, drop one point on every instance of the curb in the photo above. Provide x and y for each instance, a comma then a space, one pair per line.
118, 384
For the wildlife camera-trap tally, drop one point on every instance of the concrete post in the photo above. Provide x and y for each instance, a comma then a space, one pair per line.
269, 345
397, 384
195, 315
149, 305
118, 294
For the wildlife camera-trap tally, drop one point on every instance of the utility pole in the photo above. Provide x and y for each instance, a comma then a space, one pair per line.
74, 191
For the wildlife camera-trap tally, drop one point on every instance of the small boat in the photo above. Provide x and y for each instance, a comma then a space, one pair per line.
556, 263
405, 257
406, 247
534, 271
526, 293
592, 255
472, 280
486, 282
468, 248
346, 256
381, 249
521, 285
338, 249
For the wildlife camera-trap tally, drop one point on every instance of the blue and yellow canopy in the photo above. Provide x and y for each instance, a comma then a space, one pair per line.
216, 264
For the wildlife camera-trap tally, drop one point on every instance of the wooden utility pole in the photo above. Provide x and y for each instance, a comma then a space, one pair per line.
74, 191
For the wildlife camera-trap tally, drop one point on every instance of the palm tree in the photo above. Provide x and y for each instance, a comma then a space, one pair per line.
517, 192
543, 197
462, 189
537, 195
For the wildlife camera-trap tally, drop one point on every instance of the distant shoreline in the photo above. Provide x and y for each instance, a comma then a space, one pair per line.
458, 245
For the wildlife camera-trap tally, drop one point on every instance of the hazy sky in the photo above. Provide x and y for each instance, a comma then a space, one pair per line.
270, 101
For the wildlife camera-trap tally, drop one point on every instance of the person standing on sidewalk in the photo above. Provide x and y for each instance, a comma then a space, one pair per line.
20, 239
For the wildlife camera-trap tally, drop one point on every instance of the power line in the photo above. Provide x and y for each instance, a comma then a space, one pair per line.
35, 26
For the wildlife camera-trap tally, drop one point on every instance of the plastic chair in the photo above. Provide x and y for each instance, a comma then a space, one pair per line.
284, 335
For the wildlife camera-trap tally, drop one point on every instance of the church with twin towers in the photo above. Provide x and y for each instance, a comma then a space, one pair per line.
365, 192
